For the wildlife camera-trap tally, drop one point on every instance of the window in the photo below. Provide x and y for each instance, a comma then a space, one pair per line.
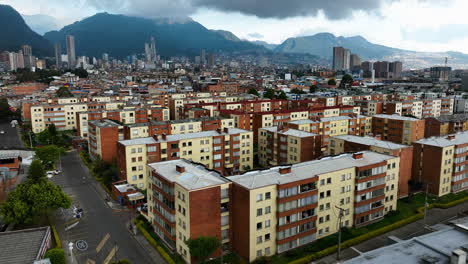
259, 225
267, 196
267, 223
259, 212
259, 197
267, 251
267, 237
267, 209
259, 239
259, 253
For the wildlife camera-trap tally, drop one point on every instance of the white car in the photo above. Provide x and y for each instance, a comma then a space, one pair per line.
50, 175
2, 132
54, 172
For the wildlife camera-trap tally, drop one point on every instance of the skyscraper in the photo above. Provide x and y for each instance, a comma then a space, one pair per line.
105, 57
203, 57
58, 55
71, 51
147, 52
354, 62
27, 50
153, 49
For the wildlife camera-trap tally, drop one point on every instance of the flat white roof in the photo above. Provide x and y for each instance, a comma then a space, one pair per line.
169, 138
290, 132
194, 177
371, 142
396, 117
305, 170
460, 138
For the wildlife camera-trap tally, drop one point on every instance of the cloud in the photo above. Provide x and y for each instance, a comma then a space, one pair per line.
332, 9
255, 35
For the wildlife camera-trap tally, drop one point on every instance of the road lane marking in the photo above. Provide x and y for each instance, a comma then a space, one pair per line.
90, 261
102, 243
111, 254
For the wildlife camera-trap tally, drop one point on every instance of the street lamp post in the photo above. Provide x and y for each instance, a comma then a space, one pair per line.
70, 248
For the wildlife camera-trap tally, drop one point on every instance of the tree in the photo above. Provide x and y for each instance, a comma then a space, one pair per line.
56, 256
254, 92
282, 95
332, 82
297, 91
202, 247
52, 129
5, 111
63, 92
313, 88
269, 93
346, 81
30, 201
49, 155
36, 172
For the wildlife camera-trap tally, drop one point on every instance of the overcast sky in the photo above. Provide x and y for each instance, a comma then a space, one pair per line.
423, 25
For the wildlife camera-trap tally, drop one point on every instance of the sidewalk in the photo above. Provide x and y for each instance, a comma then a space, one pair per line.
147, 246
434, 216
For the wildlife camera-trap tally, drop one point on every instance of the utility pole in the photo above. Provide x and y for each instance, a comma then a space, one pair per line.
339, 232
30, 139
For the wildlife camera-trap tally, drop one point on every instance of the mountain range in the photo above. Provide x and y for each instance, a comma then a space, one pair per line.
15, 32
121, 36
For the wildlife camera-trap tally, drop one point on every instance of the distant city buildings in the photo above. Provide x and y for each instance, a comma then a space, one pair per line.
58, 55
70, 40
440, 74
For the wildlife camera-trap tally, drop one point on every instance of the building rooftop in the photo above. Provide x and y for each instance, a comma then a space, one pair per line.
371, 142
445, 141
433, 248
453, 118
22, 246
290, 132
305, 170
396, 117
170, 138
303, 122
105, 123
193, 177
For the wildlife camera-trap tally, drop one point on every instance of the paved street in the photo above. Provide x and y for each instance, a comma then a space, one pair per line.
103, 229
11, 137
435, 216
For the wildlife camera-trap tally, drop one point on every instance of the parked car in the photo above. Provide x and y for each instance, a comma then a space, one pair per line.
54, 172
50, 175
2, 132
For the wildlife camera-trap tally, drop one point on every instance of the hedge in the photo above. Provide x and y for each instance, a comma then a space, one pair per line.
153, 242
375, 233
58, 243
55, 255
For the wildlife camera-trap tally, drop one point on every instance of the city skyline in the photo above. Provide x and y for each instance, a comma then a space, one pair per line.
401, 24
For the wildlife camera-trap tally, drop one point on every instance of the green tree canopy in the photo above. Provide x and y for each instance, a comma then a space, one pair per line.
346, 81
36, 172
202, 247
254, 92
313, 88
56, 255
30, 201
332, 82
282, 95
269, 93
297, 91
49, 155
64, 92
5, 111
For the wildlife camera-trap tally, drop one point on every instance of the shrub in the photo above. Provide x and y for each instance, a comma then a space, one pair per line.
56, 256
153, 242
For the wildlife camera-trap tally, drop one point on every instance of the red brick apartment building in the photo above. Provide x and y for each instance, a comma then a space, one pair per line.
27, 88
351, 143
441, 162
398, 129
186, 200
446, 124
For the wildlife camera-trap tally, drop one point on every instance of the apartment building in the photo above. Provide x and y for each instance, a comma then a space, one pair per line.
398, 129
175, 127
370, 108
327, 127
441, 163
103, 137
285, 207
128, 115
281, 145
256, 120
351, 143
228, 151
445, 124
186, 200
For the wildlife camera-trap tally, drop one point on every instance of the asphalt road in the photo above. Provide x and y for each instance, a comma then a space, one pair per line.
11, 137
102, 228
